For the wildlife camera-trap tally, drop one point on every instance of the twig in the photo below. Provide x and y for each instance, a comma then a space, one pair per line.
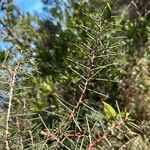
76, 135
12, 84
106, 134
31, 137
19, 131
88, 78
56, 136
89, 75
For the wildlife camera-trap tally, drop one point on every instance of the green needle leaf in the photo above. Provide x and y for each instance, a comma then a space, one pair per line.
107, 12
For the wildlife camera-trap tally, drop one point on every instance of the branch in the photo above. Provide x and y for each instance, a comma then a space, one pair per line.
56, 137
88, 78
12, 85
106, 134
89, 71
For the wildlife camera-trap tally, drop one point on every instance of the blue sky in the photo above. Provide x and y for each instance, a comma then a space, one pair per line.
29, 5
25, 6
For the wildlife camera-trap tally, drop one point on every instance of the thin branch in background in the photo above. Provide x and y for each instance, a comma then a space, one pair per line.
19, 131
31, 137
50, 136
12, 85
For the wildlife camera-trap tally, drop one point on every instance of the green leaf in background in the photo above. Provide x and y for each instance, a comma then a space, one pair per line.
46, 88
109, 111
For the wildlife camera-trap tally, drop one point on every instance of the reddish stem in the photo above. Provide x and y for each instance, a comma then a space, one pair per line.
106, 134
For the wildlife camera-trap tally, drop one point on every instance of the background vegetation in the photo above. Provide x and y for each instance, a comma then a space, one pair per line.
75, 77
